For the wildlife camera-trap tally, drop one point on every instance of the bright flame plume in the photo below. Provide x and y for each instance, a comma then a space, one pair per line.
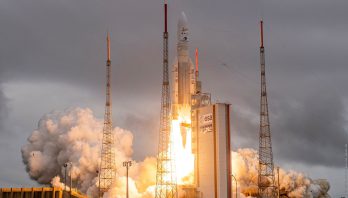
181, 140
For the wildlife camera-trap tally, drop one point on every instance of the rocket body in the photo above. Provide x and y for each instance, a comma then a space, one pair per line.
183, 70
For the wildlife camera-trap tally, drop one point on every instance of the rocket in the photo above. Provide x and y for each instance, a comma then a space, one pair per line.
184, 78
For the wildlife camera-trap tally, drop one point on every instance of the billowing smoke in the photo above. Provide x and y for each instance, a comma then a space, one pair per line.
74, 136
292, 184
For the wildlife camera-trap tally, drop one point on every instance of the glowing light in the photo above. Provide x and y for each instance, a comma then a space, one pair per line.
181, 139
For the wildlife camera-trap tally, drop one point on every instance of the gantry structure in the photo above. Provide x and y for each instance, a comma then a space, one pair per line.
266, 180
166, 186
107, 170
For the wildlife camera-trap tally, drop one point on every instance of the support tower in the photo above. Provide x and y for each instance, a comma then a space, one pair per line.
166, 186
107, 170
266, 167
345, 172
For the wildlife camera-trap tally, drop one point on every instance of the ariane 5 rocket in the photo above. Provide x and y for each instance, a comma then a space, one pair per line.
184, 75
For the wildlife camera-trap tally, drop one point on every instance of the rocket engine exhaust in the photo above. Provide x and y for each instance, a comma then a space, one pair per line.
74, 136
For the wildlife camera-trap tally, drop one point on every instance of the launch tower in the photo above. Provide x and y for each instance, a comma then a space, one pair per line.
194, 145
266, 167
165, 177
107, 166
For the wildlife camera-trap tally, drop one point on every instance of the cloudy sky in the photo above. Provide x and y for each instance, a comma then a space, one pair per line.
52, 57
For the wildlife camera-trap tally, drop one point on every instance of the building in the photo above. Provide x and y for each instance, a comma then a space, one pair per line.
44, 192
211, 126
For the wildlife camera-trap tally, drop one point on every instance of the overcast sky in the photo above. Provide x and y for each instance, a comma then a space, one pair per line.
52, 56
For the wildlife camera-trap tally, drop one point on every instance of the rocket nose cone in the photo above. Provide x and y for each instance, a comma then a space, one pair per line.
182, 20
182, 28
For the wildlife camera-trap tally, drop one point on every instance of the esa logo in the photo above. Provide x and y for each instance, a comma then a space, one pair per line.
206, 119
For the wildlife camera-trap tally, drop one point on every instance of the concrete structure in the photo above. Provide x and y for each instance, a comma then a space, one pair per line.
44, 192
213, 155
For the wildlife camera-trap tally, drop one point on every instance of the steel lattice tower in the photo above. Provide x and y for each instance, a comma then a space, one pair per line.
266, 167
107, 166
165, 177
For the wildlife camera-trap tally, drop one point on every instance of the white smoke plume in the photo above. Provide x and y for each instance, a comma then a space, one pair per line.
292, 184
74, 136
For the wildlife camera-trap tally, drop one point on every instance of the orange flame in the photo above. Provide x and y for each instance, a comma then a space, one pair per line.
181, 139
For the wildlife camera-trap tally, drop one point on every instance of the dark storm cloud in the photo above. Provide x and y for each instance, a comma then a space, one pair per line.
65, 41
145, 131
3, 112
313, 131
308, 128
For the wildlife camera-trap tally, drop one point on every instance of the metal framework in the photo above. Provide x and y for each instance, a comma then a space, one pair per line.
107, 170
266, 168
345, 172
166, 186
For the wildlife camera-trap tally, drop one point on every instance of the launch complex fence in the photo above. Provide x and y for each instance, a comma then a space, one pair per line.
45, 192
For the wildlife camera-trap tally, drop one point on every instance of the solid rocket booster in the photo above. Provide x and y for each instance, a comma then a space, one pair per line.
184, 71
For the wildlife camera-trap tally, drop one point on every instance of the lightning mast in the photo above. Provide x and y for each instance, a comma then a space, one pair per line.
166, 186
266, 167
196, 60
107, 170
345, 172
